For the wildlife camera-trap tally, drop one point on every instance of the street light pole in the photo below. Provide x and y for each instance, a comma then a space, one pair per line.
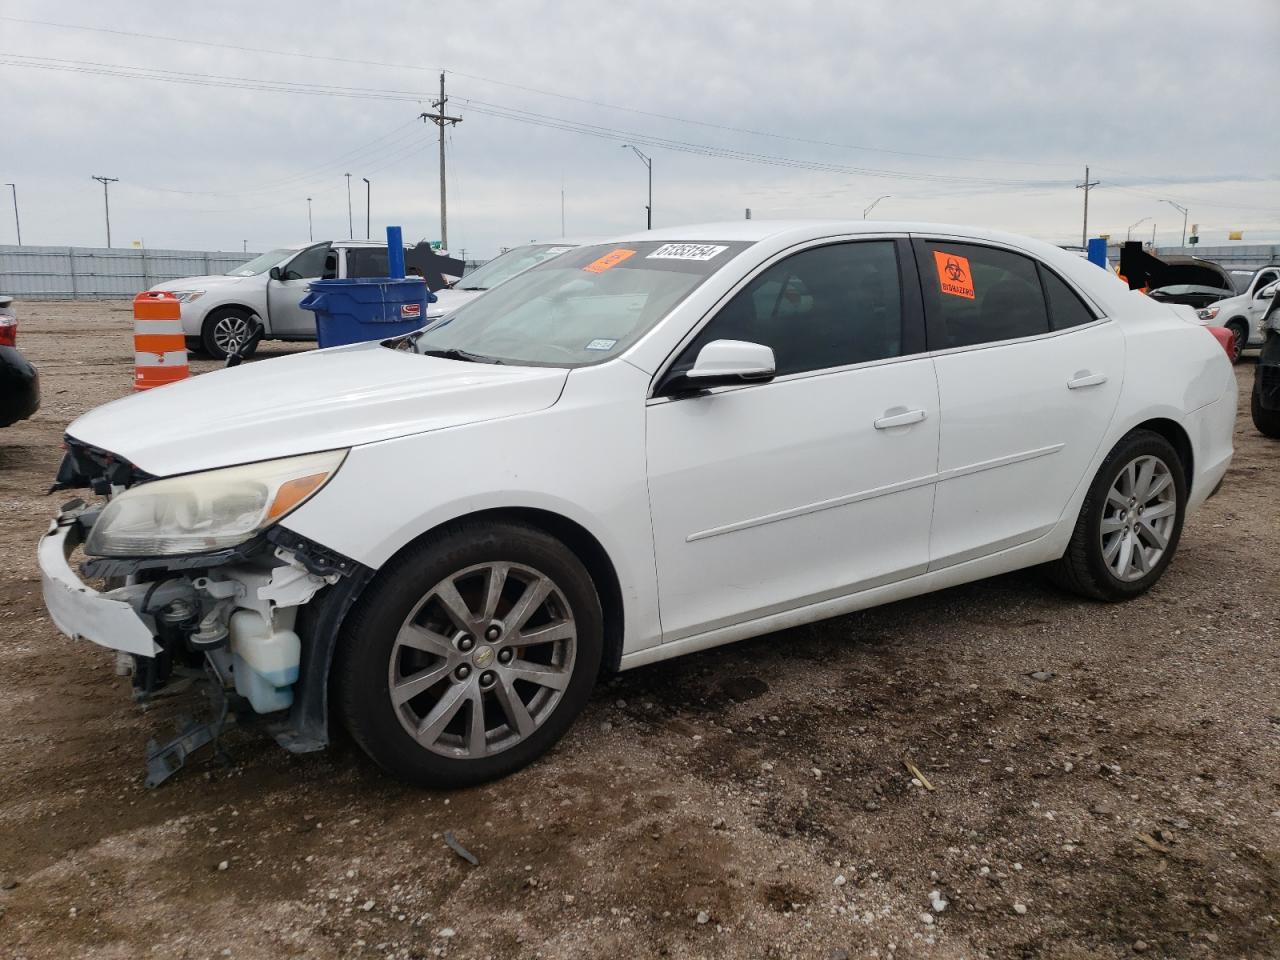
16, 225
1182, 210
368, 193
1128, 234
106, 203
873, 205
648, 162
351, 230
310, 233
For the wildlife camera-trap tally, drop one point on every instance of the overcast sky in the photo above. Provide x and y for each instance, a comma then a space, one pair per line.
967, 112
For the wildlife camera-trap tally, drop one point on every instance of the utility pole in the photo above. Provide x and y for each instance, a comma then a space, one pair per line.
1084, 232
440, 119
1177, 206
310, 233
368, 194
245, 248
351, 230
648, 162
1153, 235
873, 205
106, 203
16, 225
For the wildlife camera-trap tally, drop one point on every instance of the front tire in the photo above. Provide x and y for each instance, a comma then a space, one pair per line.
1267, 421
1241, 329
1130, 522
470, 654
224, 325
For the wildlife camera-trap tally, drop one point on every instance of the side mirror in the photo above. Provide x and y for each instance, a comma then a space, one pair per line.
1267, 293
724, 363
276, 273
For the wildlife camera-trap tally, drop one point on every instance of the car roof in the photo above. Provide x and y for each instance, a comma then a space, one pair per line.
758, 230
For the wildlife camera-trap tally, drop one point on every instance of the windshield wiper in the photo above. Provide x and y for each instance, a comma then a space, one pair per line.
473, 288
454, 353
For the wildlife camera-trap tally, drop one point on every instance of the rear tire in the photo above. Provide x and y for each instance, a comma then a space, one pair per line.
222, 324
1267, 421
470, 654
1241, 329
1129, 524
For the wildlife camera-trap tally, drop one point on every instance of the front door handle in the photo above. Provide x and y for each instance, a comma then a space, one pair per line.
1086, 379
898, 419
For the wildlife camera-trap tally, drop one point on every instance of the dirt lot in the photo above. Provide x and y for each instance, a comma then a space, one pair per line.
745, 802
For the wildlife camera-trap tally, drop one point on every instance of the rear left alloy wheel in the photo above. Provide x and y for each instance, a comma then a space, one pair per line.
1241, 331
1130, 522
470, 655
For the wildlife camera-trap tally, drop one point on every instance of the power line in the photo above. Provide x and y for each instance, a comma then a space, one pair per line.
526, 89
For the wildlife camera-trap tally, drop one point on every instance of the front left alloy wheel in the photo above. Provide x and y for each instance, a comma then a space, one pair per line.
470, 654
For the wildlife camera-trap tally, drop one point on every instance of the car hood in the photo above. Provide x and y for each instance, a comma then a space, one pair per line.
318, 400
449, 300
200, 283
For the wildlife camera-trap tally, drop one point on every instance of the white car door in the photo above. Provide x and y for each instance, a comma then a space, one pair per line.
767, 497
285, 317
1258, 304
1028, 381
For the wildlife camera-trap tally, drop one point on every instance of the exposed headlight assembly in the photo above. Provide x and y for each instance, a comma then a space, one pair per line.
1207, 313
186, 296
206, 511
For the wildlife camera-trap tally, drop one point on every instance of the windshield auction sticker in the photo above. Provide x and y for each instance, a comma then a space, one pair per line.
687, 251
953, 274
608, 261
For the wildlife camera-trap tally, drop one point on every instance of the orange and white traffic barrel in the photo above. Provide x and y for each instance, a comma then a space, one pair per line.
159, 346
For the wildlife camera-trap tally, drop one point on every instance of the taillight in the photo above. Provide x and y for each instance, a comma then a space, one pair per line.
8, 332
1226, 338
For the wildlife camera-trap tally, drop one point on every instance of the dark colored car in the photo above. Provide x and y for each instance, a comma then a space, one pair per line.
19, 382
1264, 404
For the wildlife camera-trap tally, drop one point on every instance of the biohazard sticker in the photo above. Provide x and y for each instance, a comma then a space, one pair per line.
687, 251
953, 274
410, 311
608, 261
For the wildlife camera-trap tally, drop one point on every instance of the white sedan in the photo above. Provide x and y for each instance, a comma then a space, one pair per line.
633, 451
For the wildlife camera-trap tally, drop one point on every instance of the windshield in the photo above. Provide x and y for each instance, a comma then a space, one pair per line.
507, 265
583, 307
261, 263
1242, 278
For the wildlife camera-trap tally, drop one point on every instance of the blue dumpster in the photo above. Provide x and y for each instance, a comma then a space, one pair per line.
366, 308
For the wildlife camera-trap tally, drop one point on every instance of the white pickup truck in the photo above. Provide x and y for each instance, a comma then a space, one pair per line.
268, 289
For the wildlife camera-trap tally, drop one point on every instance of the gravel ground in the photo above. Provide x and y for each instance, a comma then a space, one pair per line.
750, 801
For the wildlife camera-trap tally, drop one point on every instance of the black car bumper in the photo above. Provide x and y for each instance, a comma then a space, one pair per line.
19, 387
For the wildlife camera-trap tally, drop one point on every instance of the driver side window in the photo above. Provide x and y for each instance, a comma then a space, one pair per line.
824, 307
308, 265
1263, 281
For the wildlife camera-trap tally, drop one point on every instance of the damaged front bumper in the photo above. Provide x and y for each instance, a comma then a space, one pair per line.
258, 624
79, 611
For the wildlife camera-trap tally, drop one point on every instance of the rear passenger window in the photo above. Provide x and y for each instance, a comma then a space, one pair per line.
367, 262
1066, 309
824, 307
976, 294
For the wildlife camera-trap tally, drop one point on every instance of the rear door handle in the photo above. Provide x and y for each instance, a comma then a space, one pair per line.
898, 419
1086, 379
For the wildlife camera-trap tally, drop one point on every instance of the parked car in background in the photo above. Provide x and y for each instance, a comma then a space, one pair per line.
1187, 294
497, 271
633, 451
1265, 400
1242, 314
218, 310
19, 382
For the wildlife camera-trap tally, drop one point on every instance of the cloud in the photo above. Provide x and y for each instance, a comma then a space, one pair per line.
1159, 98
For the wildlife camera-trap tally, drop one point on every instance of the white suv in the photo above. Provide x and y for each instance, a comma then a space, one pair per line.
1243, 313
268, 289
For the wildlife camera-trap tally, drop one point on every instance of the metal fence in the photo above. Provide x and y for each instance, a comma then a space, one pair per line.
102, 273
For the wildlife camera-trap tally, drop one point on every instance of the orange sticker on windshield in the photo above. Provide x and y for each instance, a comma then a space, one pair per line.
608, 261
953, 274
